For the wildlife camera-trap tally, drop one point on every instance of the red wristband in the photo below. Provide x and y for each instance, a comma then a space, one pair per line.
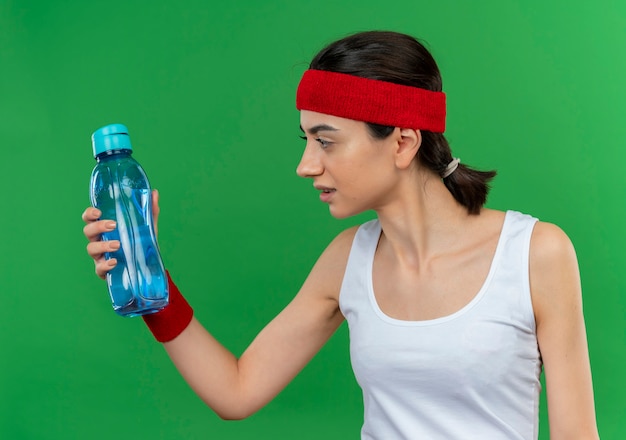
170, 322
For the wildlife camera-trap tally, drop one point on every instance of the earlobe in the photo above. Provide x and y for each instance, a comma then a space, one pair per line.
409, 142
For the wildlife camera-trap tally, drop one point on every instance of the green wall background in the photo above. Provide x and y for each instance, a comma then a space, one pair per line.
535, 90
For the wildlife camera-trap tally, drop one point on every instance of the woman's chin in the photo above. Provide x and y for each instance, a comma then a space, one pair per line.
340, 214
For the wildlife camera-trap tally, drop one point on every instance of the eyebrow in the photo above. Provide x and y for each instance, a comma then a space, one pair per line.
320, 127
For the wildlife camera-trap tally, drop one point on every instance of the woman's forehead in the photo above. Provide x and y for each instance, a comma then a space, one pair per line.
314, 122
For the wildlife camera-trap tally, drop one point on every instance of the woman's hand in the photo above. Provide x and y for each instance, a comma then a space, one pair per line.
94, 229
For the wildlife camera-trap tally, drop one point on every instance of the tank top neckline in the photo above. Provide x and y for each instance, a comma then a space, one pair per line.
442, 319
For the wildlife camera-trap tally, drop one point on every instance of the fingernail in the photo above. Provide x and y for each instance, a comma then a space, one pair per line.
112, 262
114, 245
110, 225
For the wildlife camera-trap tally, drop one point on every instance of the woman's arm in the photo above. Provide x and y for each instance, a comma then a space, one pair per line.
557, 302
236, 388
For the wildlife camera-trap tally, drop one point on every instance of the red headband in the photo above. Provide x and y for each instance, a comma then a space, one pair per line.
371, 100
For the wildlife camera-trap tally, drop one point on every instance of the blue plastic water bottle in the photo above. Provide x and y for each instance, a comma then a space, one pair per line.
120, 189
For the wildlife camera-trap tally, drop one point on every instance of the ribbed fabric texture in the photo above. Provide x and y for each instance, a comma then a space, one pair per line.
370, 100
473, 374
168, 323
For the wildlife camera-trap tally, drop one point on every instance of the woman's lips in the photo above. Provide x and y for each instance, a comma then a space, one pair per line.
326, 194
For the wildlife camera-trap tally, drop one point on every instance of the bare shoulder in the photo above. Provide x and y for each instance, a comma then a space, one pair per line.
340, 247
549, 241
554, 275
327, 274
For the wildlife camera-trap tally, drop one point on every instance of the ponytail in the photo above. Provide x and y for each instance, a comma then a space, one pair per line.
468, 185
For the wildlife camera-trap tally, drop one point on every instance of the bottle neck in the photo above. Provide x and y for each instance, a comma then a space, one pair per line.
117, 154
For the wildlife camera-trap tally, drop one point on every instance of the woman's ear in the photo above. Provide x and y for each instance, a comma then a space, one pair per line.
408, 144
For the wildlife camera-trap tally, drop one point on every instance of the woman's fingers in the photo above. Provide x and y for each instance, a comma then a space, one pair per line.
90, 214
94, 229
103, 266
96, 248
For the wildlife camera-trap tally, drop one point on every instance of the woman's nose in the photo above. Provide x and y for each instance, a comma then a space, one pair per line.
310, 164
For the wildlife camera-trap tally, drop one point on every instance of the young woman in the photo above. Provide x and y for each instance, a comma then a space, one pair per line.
453, 309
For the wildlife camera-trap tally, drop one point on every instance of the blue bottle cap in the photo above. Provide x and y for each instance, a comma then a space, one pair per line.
110, 137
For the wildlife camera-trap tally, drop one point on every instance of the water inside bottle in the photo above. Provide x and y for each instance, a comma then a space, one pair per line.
133, 284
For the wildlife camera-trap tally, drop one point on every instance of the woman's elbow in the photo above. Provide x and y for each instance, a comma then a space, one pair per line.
232, 415
233, 412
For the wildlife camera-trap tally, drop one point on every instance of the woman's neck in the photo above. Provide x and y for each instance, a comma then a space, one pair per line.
423, 221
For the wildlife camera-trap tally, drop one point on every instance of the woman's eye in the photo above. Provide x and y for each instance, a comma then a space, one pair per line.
323, 143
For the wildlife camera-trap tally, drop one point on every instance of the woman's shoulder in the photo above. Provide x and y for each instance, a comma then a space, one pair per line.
554, 273
550, 245
548, 240
327, 274
339, 247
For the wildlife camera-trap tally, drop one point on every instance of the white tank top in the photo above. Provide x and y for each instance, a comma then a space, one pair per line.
473, 374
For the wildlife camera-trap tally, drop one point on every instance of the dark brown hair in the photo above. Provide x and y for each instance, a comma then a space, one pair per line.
401, 59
